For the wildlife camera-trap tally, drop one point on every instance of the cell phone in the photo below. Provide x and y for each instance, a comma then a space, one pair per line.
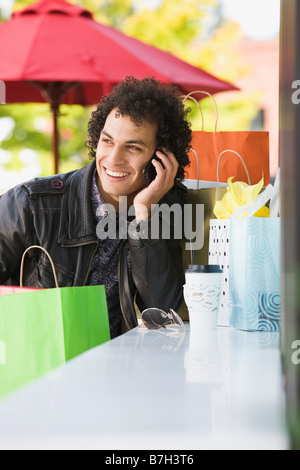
150, 171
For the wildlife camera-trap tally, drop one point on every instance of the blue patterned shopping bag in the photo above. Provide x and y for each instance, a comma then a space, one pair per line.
254, 277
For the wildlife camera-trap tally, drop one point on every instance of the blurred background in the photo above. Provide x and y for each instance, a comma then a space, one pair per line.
233, 40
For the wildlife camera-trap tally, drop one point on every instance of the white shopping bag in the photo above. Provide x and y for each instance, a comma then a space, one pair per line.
255, 302
218, 253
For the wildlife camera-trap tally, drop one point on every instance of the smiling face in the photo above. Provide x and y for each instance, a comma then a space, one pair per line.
123, 151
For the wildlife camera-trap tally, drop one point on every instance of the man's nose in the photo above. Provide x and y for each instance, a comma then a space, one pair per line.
116, 156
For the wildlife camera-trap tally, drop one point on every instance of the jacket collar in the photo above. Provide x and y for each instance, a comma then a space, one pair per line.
77, 224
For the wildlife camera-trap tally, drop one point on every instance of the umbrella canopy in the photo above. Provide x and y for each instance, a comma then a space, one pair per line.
54, 51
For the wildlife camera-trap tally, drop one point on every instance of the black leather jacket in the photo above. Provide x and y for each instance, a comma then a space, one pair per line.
56, 213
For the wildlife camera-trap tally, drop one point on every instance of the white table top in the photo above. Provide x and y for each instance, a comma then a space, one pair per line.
156, 390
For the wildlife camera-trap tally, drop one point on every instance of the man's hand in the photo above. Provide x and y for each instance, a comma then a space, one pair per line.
162, 183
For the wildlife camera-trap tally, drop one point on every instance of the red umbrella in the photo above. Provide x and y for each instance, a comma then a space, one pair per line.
54, 51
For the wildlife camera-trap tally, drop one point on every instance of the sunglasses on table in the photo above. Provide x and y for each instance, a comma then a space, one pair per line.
154, 318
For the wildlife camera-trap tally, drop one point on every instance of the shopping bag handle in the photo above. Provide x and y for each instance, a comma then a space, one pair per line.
275, 201
189, 96
198, 167
49, 257
236, 153
271, 193
198, 106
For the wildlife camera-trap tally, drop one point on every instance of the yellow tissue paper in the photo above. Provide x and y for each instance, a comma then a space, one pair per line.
238, 194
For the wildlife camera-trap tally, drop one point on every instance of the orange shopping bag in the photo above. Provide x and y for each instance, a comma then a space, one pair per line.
253, 145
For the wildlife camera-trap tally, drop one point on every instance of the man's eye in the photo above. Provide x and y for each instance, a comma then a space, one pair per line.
133, 147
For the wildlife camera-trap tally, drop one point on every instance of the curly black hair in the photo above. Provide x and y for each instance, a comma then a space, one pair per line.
147, 100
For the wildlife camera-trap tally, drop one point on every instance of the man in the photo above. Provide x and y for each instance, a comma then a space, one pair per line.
138, 120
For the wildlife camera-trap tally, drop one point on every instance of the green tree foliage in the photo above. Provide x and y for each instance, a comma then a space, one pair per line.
172, 26
191, 30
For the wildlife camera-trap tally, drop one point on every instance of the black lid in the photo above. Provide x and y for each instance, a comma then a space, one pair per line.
203, 268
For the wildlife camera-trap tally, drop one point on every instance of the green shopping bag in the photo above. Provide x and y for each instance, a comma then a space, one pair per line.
43, 328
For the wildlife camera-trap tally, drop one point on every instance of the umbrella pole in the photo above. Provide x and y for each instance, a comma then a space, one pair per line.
53, 92
55, 137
